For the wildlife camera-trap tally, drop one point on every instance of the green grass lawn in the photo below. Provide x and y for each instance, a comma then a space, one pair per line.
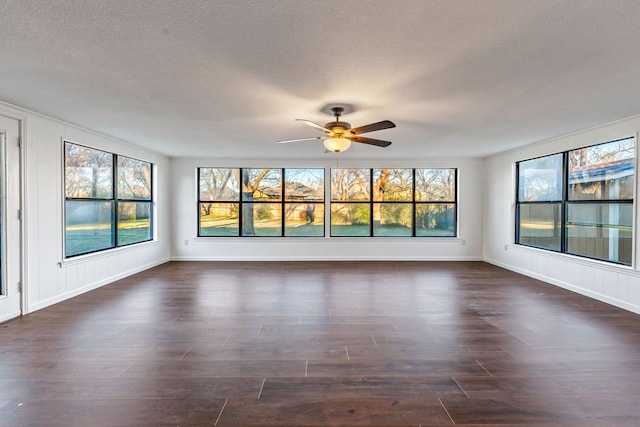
90, 238
349, 230
227, 227
435, 232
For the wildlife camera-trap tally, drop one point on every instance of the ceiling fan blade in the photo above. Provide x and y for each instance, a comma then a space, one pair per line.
300, 139
385, 124
314, 125
370, 141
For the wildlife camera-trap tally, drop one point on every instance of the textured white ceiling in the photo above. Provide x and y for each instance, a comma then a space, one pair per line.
228, 78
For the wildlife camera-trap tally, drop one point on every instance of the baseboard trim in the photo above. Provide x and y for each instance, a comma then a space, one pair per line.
323, 258
9, 316
95, 285
568, 286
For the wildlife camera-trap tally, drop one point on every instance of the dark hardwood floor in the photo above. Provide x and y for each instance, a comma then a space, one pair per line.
322, 344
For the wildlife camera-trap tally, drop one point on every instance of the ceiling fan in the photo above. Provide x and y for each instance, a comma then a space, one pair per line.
339, 135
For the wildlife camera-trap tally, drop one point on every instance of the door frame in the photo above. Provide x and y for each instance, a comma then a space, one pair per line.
21, 243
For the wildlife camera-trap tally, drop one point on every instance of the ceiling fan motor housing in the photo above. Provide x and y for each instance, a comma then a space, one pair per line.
338, 127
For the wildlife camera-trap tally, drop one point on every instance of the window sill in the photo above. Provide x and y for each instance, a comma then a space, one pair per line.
103, 254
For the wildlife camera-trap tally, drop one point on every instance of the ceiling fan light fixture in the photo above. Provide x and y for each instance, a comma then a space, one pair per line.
338, 135
337, 144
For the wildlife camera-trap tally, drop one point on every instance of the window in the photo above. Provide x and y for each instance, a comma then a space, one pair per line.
435, 196
350, 202
579, 202
540, 202
393, 202
304, 202
600, 201
260, 202
107, 200
133, 201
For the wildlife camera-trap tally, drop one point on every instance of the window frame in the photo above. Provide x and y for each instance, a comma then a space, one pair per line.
282, 202
542, 202
413, 203
114, 200
566, 201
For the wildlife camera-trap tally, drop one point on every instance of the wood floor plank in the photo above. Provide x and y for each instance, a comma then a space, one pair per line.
334, 412
112, 412
329, 329
532, 411
560, 385
272, 352
358, 387
131, 388
395, 368
216, 368
542, 410
48, 366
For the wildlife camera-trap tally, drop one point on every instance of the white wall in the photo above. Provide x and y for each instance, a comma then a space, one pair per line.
186, 246
48, 278
617, 285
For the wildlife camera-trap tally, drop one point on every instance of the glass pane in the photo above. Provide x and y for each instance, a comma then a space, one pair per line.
539, 225
88, 227
134, 222
88, 172
219, 219
392, 219
436, 219
350, 185
602, 172
304, 219
350, 219
304, 185
600, 230
540, 179
434, 185
392, 185
134, 179
261, 184
261, 219
219, 184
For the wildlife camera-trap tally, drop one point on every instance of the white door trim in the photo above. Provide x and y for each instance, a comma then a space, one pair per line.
16, 273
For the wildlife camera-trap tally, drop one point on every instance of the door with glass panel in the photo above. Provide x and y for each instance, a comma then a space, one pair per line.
10, 228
